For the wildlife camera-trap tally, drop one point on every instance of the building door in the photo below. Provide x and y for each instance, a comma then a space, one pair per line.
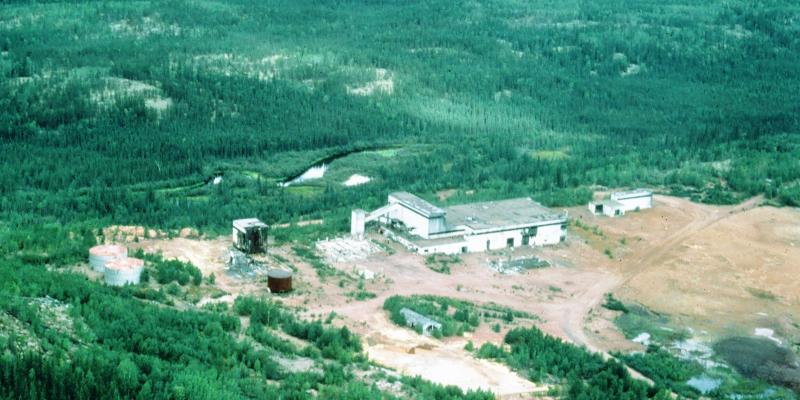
488, 244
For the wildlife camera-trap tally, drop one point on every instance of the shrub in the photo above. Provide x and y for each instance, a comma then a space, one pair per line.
612, 303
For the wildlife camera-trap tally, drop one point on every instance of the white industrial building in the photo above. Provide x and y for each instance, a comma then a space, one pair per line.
638, 199
619, 203
426, 228
609, 208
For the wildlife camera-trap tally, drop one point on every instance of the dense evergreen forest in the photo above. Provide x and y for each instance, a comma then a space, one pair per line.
122, 111
74, 339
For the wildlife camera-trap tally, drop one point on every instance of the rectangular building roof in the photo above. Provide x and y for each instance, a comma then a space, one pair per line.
631, 194
417, 204
247, 223
503, 214
417, 319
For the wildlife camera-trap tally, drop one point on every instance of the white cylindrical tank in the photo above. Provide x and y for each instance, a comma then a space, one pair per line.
100, 255
124, 271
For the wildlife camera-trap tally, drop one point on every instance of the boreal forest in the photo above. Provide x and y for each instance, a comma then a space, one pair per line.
191, 113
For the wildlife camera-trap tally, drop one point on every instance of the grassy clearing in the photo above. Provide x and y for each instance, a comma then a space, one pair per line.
308, 255
441, 262
640, 320
550, 154
613, 304
762, 294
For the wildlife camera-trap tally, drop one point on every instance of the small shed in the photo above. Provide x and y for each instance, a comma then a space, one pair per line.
414, 320
609, 208
250, 235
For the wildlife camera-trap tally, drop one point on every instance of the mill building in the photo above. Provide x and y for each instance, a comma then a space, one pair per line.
492, 225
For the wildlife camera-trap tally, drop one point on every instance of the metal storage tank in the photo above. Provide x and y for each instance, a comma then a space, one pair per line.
124, 271
279, 280
102, 254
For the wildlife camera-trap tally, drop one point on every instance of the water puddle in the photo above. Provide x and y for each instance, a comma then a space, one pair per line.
767, 333
315, 172
642, 338
704, 383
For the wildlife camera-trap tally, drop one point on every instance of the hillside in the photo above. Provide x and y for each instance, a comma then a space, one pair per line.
120, 111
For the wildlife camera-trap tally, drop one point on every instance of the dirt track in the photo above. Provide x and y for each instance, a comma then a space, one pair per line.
703, 217
718, 269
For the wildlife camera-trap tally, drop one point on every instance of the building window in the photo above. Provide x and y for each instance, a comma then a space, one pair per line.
488, 245
510, 242
464, 249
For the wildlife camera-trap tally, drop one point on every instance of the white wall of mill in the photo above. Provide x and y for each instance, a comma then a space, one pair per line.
548, 234
545, 235
416, 223
436, 225
497, 240
446, 248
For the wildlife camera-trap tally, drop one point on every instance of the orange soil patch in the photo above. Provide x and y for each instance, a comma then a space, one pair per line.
721, 269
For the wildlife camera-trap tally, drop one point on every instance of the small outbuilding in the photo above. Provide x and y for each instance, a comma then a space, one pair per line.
634, 200
417, 320
250, 235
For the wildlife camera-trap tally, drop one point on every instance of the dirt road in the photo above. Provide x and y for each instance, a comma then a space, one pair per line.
643, 257
647, 257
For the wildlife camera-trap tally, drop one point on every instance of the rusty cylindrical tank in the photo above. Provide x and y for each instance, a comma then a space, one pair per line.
279, 280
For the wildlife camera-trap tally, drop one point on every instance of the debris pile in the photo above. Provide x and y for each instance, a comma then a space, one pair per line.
239, 265
509, 266
345, 249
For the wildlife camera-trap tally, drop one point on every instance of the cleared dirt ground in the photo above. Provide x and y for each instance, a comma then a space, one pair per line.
723, 270
715, 269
